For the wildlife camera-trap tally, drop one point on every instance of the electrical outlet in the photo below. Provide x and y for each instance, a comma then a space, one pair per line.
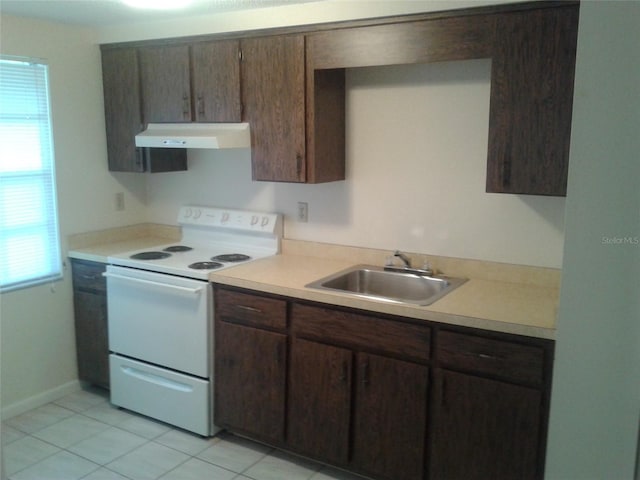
120, 201
303, 212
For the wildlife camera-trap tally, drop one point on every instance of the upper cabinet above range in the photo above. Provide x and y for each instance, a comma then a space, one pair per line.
215, 76
166, 84
186, 83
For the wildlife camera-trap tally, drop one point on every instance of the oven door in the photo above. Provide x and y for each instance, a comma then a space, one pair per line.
160, 319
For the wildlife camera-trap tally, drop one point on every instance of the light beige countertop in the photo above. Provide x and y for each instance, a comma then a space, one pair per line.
97, 246
505, 298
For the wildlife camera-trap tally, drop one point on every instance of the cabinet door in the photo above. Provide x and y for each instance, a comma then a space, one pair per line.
531, 101
165, 78
90, 314
92, 337
123, 118
320, 400
390, 417
484, 429
273, 98
216, 81
250, 372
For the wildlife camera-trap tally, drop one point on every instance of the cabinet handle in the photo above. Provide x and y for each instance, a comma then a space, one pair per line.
343, 372
139, 159
444, 392
248, 309
298, 164
185, 105
365, 374
506, 172
200, 105
279, 354
487, 356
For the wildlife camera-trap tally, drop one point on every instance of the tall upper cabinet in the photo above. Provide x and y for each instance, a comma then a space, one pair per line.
296, 113
532, 76
273, 100
123, 118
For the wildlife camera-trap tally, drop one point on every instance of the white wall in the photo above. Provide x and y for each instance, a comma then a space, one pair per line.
416, 164
37, 339
595, 407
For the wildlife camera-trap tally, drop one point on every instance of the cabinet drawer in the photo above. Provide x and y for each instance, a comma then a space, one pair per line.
362, 331
88, 275
251, 310
511, 361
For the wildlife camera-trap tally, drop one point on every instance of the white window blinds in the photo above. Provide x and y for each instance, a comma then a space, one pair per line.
29, 238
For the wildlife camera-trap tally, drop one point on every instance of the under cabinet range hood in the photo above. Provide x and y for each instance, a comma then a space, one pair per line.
195, 135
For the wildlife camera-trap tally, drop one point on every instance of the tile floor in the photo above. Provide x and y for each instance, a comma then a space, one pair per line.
82, 436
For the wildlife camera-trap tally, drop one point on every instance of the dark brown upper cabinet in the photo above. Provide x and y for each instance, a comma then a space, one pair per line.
297, 129
533, 60
273, 99
216, 81
123, 118
166, 84
290, 87
184, 83
531, 101
443, 39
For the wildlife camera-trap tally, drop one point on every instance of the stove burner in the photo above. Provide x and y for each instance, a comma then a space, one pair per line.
205, 265
232, 257
178, 248
150, 256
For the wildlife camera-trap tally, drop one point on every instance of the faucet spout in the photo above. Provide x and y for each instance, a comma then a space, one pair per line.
403, 257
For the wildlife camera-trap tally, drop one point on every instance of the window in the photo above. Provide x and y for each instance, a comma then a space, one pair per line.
29, 238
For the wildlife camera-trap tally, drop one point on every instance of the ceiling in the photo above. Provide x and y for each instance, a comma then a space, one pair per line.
101, 13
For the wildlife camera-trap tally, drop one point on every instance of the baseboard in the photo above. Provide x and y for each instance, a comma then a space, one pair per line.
40, 399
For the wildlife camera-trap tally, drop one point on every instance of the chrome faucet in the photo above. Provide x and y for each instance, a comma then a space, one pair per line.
426, 270
403, 257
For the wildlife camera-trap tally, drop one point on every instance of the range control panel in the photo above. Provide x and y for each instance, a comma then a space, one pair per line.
231, 219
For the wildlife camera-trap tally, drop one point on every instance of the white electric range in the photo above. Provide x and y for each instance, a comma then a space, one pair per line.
160, 311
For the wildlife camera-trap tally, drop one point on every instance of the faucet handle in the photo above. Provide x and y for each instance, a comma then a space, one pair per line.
426, 267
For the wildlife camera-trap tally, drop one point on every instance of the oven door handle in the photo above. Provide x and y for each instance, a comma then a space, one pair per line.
155, 284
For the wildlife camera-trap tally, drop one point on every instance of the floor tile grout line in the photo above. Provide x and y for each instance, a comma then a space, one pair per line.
103, 402
37, 461
34, 409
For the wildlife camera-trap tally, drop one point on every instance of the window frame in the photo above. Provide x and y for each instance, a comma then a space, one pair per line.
29, 236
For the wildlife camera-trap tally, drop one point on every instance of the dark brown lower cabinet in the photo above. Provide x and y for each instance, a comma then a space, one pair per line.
320, 400
388, 409
390, 417
90, 316
484, 429
379, 395
250, 381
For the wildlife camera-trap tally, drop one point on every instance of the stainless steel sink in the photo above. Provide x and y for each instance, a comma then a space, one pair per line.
397, 287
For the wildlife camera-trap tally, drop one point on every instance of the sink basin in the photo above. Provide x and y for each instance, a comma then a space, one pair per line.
397, 287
